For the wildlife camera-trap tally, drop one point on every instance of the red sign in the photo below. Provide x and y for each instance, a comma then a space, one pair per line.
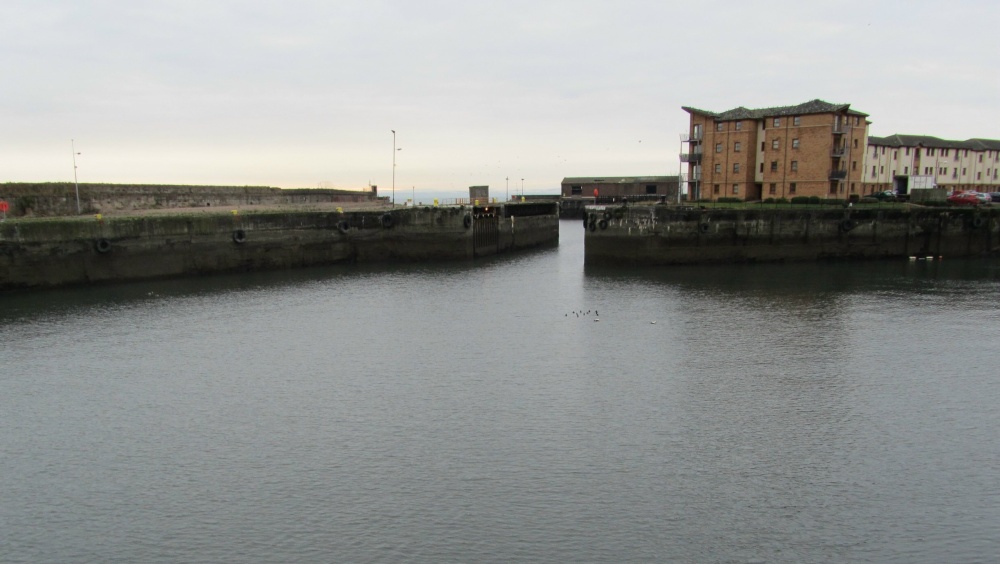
3, 206
595, 192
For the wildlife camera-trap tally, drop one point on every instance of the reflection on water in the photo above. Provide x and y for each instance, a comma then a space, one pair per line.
480, 412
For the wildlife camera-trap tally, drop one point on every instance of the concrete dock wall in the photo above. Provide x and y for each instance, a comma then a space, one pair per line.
63, 251
667, 235
59, 198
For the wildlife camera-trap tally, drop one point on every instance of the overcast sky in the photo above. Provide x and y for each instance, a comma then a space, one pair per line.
305, 93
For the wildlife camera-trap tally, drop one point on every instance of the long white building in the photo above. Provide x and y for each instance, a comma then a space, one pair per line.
890, 163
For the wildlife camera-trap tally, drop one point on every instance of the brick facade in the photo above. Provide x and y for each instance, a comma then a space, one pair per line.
813, 149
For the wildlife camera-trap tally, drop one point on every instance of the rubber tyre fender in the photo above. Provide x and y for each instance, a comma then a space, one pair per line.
386, 220
978, 222
846, 225
703, 227
102, 246
603, 224
343, 226
593, 225
239, 236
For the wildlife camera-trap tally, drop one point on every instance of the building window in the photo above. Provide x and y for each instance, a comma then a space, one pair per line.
718, 168
979, 175
762, 145
736, 168
576, 190
944, 152
980, 157
795, 143
736, 189
873, 171
795, 166
739, 125
777, 122
791, 187
966, 153
895, 153
737, 146
881, 169
762, 167
775, 144
907, 151
855, 142
854, 165
774, 166
906, 170
874, 151
772, 189
651, 188
718, 147
930, 152
715, 189
796, 120
852, 187
857, 120
718, 126
963, 171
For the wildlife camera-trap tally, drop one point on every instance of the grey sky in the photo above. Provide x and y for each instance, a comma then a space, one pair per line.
299, 93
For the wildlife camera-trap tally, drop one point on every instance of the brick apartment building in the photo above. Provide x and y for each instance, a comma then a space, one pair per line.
891, 162
812, 149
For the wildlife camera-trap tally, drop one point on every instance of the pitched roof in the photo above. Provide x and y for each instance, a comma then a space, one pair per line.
616, 179
902, 140
816, 106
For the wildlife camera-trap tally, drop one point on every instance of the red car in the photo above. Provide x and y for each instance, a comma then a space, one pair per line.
963, 199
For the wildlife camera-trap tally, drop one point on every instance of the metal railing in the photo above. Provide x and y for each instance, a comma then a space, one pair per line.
838, 174
691, 157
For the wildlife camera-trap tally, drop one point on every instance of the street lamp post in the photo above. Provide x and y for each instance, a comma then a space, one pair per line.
393, 168
72, 145
507, 194
522, 187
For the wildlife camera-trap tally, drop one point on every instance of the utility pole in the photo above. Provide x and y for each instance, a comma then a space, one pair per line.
72, 145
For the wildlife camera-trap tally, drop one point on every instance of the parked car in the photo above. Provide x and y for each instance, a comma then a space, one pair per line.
883, 196
964, 199
984, 198
995, 196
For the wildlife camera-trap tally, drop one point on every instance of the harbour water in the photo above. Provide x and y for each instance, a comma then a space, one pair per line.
480, 412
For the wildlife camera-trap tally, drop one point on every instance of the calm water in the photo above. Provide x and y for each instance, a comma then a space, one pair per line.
471, 413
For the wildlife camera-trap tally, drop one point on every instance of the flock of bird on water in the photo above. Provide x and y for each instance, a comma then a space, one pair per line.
596, 315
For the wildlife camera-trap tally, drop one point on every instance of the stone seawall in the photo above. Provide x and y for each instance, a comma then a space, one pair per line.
668, 235
63, 251
59, 198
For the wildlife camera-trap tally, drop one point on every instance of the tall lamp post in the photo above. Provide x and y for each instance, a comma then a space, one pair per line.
72, 145
393, 167
522, 187
507, 195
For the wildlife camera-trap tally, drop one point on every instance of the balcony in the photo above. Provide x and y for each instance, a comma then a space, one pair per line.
838, 174
838, 151
694, 176
691, 157
840, 128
